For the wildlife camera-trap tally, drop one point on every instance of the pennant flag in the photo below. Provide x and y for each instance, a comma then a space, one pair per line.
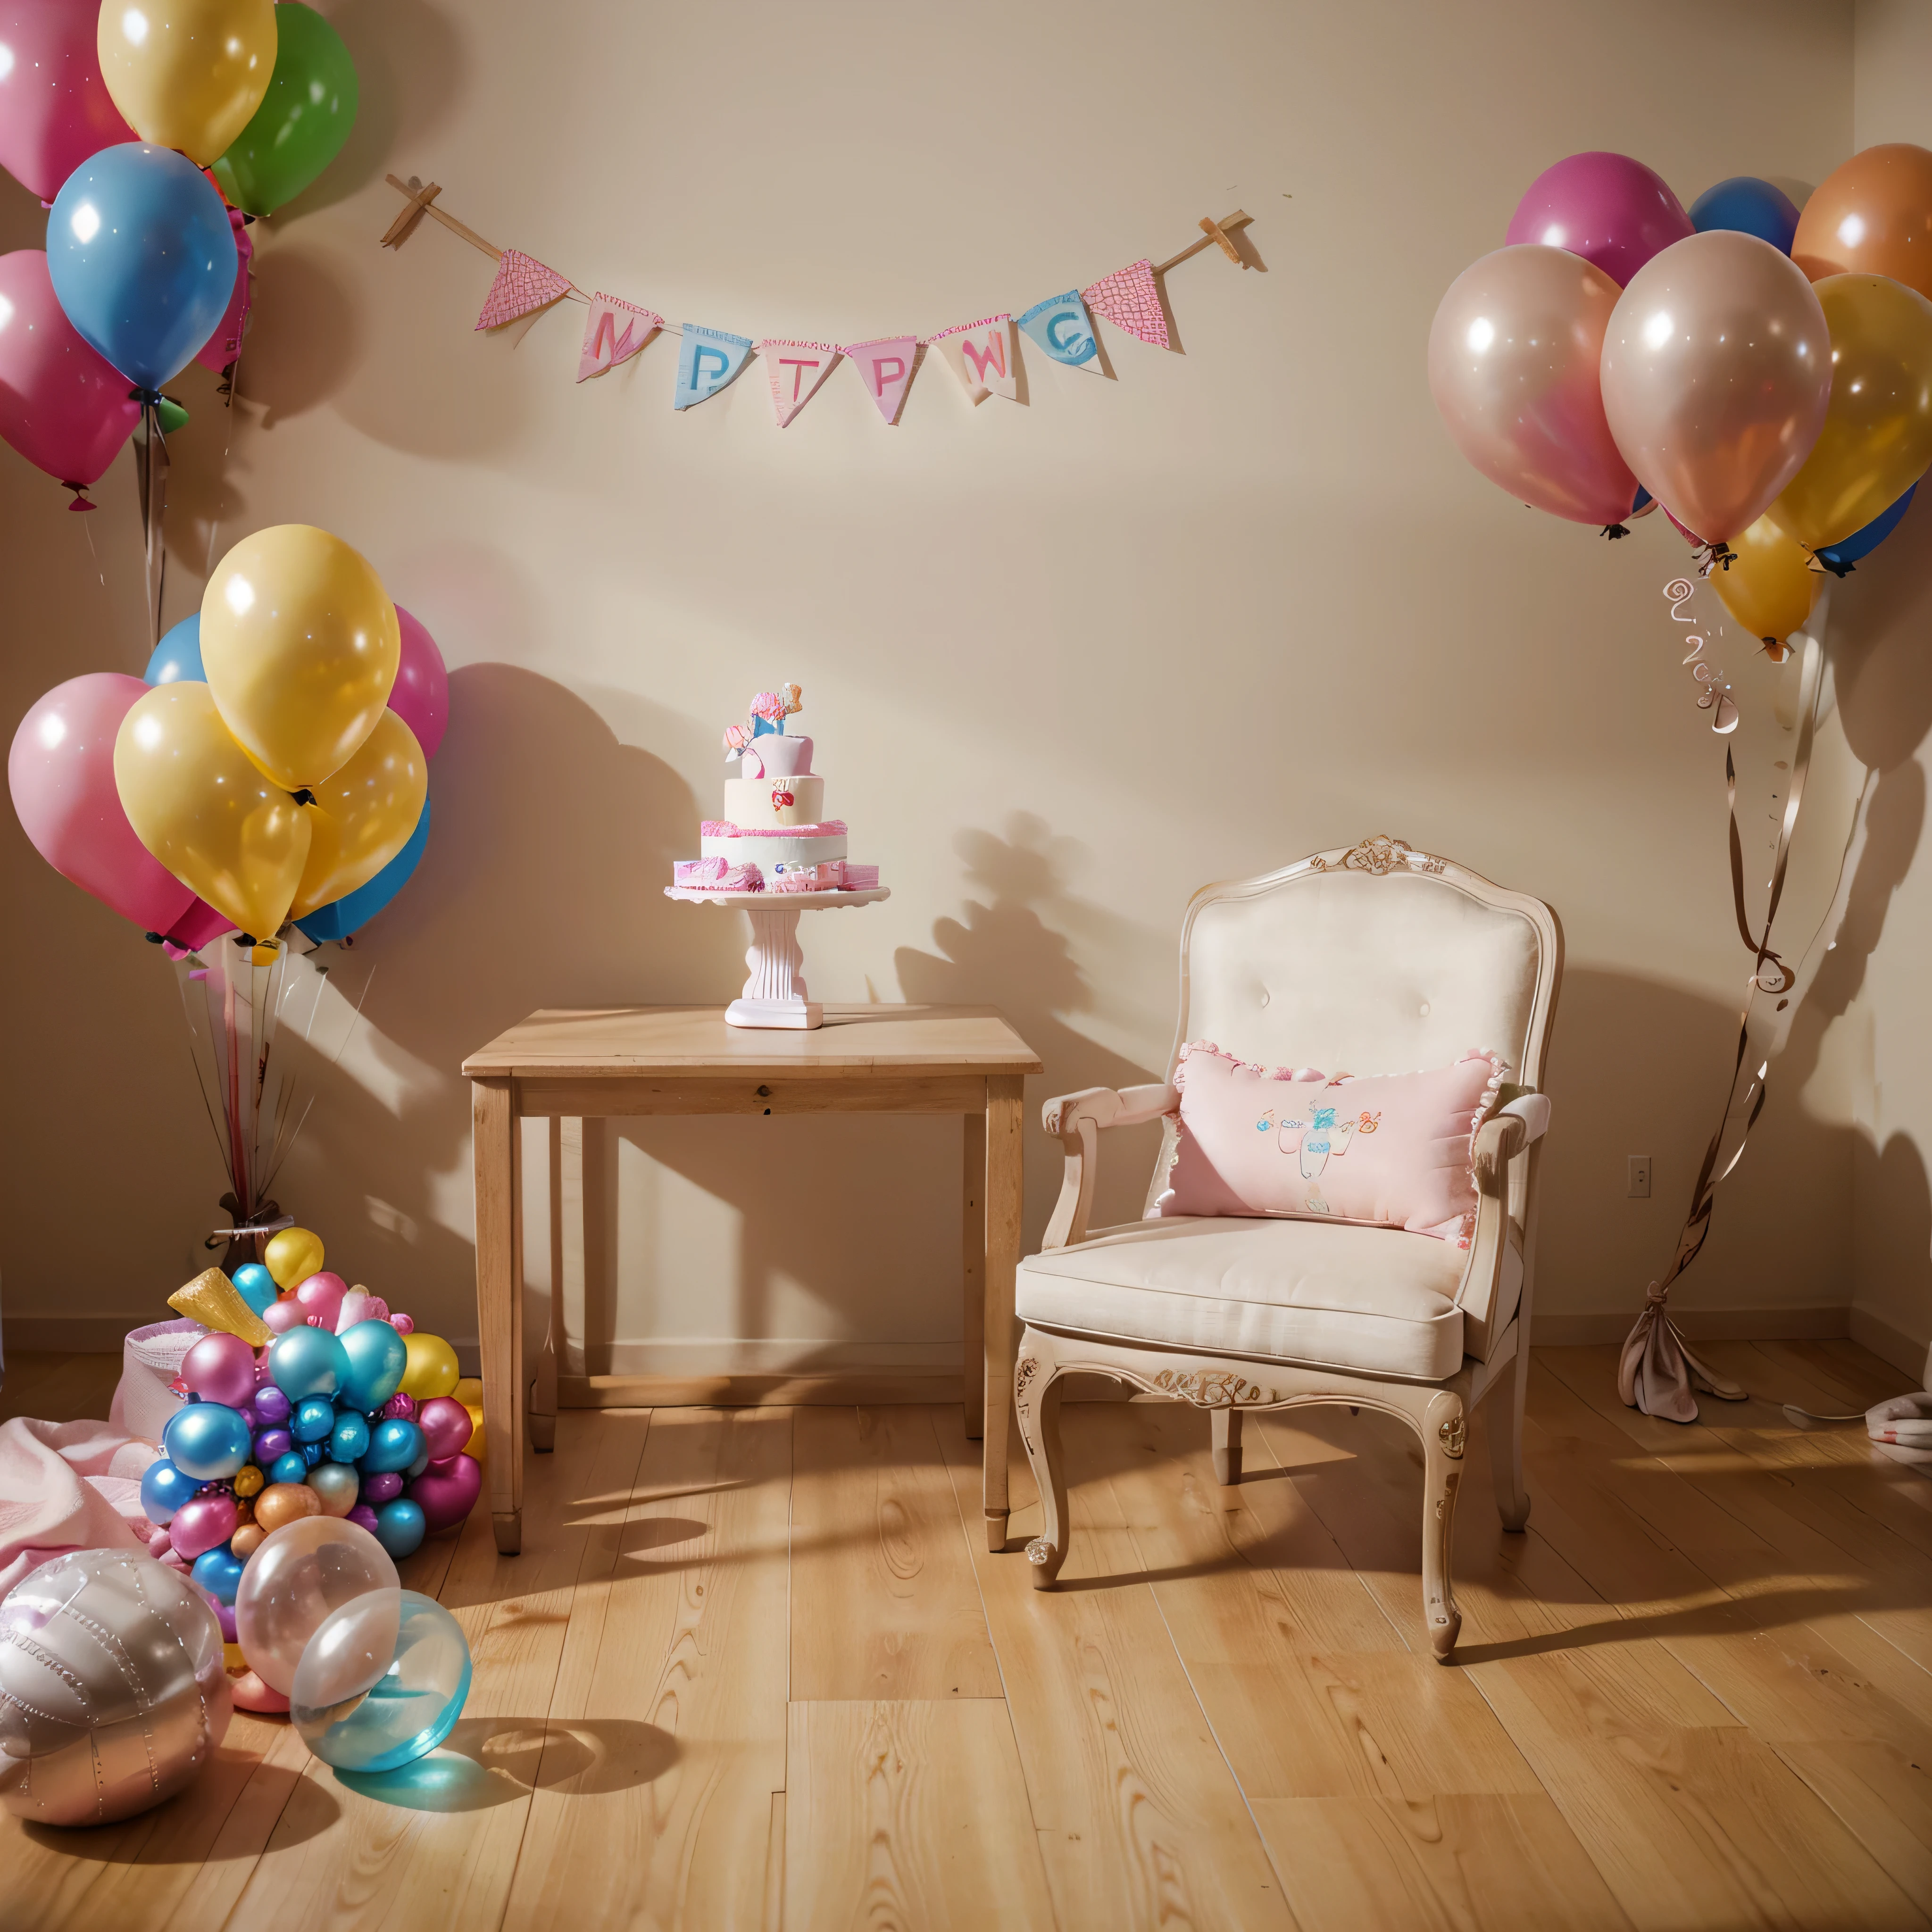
522, 283
615, 330
707, 360
1130, 300
796, 369
1061, 327
981, 356
886, 366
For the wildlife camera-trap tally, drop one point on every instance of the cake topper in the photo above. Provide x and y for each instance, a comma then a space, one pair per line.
769, 711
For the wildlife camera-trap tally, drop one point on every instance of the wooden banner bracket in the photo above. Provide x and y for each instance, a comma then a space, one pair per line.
1213, 234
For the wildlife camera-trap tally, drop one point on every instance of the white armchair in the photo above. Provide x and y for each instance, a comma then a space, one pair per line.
1379, 959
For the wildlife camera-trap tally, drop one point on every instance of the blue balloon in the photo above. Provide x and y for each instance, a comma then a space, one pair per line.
394, 1444
142, 259
314, 1419
410, 1709
177, 660
1841, 556
207, 1440
219, 1573
350, 1441
253, 1282
163, 1490
307, 1361
355, 910
378, 1357
313, 1453
421, 1463
401, 1527
1751, 207
290, 1467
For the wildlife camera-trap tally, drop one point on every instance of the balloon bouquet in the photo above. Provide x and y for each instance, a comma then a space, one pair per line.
1765, 375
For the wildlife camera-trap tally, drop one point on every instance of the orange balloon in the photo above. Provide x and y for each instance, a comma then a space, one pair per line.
1871, 217
284, 1503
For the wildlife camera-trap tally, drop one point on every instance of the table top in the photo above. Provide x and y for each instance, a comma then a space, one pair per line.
620, 1041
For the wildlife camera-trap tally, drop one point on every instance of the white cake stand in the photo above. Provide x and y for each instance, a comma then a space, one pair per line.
774, 994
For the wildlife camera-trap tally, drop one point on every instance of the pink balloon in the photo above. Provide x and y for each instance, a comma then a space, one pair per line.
284, 1315
220, 1368
251, 1694
61, 772
225, 344
420, 696
195, 927
159, 1544
446, 1499
446, 1428
54, 109
1512, 364
1607, 207
321, 1298
202, 1524
354, 1307
403, 1324
61, 405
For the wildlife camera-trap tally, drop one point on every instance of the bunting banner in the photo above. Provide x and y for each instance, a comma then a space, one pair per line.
523, 286
706, 362
886, 365
981, 355
613, 333
796, 369
1061, 326
1130, 299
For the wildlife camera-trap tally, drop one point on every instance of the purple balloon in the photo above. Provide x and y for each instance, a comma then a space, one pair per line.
272, 1443
446, 1499
381, 1489
420, 696
271, 1405
363, 1516
1608, 208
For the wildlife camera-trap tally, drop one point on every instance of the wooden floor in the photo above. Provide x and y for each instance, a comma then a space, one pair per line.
753, 1669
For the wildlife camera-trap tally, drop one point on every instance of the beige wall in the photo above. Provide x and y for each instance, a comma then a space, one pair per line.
1064, 663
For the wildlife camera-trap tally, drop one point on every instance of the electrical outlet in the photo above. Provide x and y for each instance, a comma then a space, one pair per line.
1638, 1189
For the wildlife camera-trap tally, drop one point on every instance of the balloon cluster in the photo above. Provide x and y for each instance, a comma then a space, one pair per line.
347, 1412
153, 133
273, 764
1764, 374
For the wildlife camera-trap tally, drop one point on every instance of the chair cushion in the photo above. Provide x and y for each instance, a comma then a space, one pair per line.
1373, 1299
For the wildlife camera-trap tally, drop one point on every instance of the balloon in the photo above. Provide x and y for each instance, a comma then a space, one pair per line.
141, 258
302, 1572
1612, 211
321, 1294
401, 1527
247, 1482
336, 1485
54, 109
1751, 206
433, 1367
1870, 217
363, 1516
289, 1469
205, 1524
301, 644
349, 1441
220, 1368
1768, 586
420, 697
292, 1256
219, 1573
377, 1357
286, 1500
314, 1418
284, 1315
62, 406
164, 1488
188, 74
253, 1281
206, 1440
202, 809
1716, 374
194, 929
304, 119
223, 346
445, 1425
1841, 557
1513, 360
363, 815
447, 1500
355, 910
272, 1406
1877, 437
61, 772
407, 1653
307, 1362
384, 1486
392, 1446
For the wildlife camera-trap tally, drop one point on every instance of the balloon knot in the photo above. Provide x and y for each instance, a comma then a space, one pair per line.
1613, 531
80, 501
152, 938
304, 796
151, 398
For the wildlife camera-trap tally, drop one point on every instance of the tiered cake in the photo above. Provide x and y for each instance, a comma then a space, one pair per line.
774, 836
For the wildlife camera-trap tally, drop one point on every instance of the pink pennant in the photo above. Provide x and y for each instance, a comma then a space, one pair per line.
795, 369
981, 354
615, 331
522, 283
886, 366
1130, 299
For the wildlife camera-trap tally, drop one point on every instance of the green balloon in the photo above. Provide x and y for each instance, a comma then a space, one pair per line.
303, 120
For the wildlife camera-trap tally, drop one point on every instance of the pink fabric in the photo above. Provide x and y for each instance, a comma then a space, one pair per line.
67, 1485
1389, 1151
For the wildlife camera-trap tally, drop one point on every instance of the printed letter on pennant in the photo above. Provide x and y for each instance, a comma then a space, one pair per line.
707, 360
981, 354
1061, 327
795, 369
886, 366
615, 330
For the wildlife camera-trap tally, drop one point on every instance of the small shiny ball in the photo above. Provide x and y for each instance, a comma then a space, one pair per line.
381, 1487
219, 1573
248, 1539
248, 1481
164, 1488
337, 1485
203, 1525
206, 1440
289, 1467
272, 1443
313, 1453
400, 1528
255, 1285
314, 1418
271, 1405
400, 1408
363, 1516
282, 1504
349, 1440
392, 1446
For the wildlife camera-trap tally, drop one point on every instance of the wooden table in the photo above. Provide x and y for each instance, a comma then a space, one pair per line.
632, 1061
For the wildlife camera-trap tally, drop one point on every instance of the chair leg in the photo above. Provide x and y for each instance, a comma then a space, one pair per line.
1505, 1425
1038, 1411
1443, 1435
1227, 1426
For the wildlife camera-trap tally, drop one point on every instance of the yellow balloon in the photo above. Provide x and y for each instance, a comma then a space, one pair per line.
188, 73
292, 1256
363, 814
203, 809
432, 1369
1769, 586
300, 643
1877, 437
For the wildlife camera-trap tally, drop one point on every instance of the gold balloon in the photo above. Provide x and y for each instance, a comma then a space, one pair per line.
431, 1368
281, 1503
214, 1301
202, 809
1871, 215
300, 643
188, 73
363, 814
1769, 586
244, 1543
1877, 437
292, 1256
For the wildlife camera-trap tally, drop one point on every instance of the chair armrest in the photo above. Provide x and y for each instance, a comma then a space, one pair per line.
1075, 1120
1503, 1135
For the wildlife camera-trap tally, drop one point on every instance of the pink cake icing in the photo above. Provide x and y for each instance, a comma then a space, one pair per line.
723, 828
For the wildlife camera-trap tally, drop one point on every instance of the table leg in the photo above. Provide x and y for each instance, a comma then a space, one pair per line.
499, 1314
972, 1271
543, 1383
1003, 1254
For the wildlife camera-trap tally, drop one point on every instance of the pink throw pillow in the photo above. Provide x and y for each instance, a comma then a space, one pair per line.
1390, 1150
